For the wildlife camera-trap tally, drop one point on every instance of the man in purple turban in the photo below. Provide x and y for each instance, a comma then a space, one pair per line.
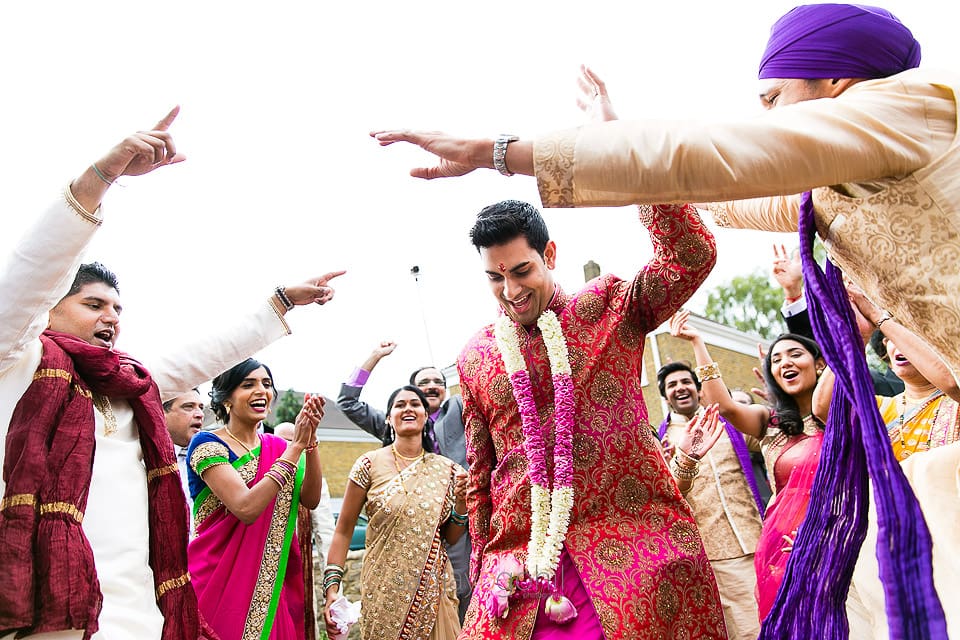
858, 145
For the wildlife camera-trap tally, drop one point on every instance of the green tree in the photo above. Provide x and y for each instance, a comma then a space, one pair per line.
288, 407
748, 303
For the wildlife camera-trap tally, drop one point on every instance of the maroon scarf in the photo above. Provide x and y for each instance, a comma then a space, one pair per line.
51, 582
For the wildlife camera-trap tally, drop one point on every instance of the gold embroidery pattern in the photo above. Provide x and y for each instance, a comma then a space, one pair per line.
631, 495
269, 565
62, 507
605, 389
720, 215
406, 571
63, 375
102, 404
211, 503
360, 473
589, 307
501, 391
53, 373
18, 500
613, 554
902, 248
208, 450
553, 166
685, 536
171, 584
156, 473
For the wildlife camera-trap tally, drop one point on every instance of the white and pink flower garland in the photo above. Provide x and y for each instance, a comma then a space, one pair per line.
550, 509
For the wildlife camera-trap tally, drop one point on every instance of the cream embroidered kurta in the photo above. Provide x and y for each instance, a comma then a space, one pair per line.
722, 502
115, 523
889, 147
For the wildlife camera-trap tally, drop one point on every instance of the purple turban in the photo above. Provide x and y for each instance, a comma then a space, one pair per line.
838, 41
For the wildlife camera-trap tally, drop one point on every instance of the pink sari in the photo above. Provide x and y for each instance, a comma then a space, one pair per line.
793, 472
248, 577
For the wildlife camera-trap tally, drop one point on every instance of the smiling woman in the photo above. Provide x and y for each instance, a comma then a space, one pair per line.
790, 436
247, 487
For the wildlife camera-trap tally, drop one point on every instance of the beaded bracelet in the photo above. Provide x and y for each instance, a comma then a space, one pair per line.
683, 472
282, 295
459, 519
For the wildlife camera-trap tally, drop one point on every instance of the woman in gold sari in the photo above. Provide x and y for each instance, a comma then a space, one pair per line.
414, 501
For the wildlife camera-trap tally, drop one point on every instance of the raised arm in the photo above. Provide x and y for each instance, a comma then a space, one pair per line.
371, 420
42, 266
751, 419
684, 252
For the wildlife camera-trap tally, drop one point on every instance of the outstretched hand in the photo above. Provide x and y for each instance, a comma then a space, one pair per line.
760, 391
700, 434
313, 290
593, 98
457, 155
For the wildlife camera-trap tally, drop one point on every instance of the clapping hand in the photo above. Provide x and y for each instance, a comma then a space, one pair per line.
305, 426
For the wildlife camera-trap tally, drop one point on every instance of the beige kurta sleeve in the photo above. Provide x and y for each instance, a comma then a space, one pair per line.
876, 129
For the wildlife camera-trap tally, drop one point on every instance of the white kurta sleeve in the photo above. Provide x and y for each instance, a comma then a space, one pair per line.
38, 273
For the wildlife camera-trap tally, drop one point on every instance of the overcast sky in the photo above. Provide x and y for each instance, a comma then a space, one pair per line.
282, 182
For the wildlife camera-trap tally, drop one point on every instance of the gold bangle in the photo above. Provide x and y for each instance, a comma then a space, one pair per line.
708, 372
78, 208
276, 309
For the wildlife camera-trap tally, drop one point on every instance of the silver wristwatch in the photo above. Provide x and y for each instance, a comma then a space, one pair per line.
500, 152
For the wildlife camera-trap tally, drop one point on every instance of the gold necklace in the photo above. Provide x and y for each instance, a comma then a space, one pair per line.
400, 455
396, 464
238, 441
902, 419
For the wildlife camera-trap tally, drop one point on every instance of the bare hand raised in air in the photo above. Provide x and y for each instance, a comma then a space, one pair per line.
593, 98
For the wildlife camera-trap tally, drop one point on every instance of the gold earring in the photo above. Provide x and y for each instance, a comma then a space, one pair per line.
819, 372
226, 405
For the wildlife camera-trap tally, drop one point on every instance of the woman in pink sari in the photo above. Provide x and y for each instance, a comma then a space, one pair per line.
790, 436
245, 560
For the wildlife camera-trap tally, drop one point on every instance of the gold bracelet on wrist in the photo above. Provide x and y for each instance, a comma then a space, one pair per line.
708, 372
78, 208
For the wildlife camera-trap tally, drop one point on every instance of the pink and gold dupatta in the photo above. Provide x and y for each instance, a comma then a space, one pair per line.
793, 472
248, 577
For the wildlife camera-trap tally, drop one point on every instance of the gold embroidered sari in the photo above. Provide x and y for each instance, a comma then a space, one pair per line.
407, 583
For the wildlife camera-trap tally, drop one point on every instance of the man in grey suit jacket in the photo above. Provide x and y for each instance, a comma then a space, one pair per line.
445, 431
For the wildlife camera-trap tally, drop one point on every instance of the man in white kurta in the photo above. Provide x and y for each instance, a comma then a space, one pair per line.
37, 275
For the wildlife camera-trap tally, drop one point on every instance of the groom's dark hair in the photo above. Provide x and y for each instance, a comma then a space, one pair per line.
502, 222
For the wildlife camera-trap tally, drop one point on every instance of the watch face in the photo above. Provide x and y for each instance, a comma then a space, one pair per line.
507, 137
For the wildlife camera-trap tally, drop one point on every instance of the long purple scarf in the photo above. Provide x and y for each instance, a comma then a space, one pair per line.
743, 455
811, 599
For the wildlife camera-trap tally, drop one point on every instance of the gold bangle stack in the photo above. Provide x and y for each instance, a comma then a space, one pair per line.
682, 469
708, 372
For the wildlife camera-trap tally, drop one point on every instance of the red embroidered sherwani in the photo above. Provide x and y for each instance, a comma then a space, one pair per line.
632, 536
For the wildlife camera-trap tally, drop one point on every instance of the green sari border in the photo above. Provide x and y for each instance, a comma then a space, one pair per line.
236, 464
285, 551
